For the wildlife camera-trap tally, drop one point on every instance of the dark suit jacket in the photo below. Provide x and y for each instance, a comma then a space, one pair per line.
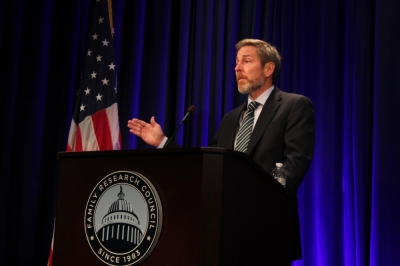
284, 133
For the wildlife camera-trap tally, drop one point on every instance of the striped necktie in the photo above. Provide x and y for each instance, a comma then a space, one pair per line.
246, 128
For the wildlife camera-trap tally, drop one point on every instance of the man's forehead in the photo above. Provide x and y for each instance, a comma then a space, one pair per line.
247, 51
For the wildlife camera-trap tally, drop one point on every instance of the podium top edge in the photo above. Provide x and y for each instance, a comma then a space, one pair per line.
172, 151
65, 154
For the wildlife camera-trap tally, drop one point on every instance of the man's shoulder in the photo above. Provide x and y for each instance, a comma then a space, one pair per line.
291, 96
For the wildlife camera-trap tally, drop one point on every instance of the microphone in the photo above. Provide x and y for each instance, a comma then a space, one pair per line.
189, 111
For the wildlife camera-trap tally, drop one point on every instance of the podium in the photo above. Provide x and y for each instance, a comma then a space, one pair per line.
218, 208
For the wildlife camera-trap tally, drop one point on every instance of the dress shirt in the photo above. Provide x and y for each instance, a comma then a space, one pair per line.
261, 100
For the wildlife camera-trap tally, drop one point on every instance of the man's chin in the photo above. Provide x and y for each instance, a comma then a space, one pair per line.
246, 90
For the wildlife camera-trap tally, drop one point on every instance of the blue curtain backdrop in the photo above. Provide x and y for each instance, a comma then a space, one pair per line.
343, 55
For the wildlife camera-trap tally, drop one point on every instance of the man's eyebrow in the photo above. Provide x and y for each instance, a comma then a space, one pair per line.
245, 55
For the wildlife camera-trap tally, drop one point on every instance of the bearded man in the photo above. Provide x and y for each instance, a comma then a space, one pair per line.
271, 126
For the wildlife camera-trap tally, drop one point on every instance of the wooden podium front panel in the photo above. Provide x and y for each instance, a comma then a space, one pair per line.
219, 207
179, 241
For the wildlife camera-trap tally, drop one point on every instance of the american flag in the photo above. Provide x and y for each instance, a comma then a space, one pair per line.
94, 124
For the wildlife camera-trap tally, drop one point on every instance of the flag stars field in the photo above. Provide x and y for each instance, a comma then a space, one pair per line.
105, 81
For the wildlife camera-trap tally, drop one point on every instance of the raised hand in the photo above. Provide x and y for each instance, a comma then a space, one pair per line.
151, 133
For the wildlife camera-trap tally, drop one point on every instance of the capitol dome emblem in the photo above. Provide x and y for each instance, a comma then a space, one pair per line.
123, 218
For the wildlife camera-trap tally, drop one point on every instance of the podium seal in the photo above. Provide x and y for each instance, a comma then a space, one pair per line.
123, 218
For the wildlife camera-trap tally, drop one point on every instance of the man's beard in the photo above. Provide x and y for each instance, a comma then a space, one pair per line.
251, 86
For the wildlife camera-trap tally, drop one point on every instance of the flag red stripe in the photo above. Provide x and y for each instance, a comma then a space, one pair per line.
50, 260
101, 127
78, 139
68, 148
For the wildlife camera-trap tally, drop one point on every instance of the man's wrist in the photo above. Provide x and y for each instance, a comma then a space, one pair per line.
162, 143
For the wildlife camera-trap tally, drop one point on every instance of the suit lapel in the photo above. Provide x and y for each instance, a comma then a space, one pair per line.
271, 106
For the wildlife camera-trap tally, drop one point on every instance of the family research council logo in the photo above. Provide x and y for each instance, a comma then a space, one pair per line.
123, 218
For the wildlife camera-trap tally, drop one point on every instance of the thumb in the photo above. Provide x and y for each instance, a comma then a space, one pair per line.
153, 121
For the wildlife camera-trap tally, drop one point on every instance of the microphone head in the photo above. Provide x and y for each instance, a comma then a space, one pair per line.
191, 109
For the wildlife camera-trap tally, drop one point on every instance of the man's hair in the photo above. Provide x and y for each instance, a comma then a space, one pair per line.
266, 52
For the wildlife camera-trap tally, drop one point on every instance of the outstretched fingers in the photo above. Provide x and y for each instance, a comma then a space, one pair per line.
150, 133
136, 126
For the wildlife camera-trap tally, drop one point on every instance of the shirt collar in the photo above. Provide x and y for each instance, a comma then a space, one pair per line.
263, 97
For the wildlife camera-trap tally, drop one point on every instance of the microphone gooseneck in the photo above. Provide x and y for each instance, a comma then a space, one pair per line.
189, 111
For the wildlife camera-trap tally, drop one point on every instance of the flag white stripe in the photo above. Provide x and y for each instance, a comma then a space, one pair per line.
72, 135
112, 114
89, 140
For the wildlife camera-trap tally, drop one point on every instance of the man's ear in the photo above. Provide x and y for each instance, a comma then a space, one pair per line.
269, 68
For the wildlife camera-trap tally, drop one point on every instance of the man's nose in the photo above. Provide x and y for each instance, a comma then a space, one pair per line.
238, 67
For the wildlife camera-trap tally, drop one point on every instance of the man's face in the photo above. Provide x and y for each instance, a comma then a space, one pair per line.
249, 72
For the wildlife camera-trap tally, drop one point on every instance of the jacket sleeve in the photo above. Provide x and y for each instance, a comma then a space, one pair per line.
299, 142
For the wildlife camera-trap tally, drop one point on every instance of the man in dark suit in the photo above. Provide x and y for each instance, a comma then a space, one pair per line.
279, 129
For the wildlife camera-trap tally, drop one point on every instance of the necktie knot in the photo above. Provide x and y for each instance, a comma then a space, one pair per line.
252, 106
246, 127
